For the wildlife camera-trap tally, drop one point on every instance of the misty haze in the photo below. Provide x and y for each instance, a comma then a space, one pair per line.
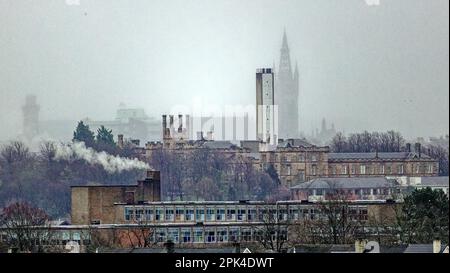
224, 126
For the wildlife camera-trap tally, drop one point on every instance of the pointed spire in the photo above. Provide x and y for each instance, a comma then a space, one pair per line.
285, 41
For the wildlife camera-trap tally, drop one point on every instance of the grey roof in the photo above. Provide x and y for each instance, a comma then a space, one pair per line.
219, 145
435, 181
422, 248
365, 156
347, 183
296, 143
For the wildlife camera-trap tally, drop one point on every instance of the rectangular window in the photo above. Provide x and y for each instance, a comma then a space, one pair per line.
362, 169
252, 214
314, 170
220, 214
170, 215
189, 214
234, 234
198, 235
430, 168
200, 215
210, 214
149, 214
160, 235
353, 170
186, 233
210, 235
179, 214
129, 214
159, 214
400, 169
242, 215
174, 235
222, 235
246, 234
382, 169
231, 214
345, 170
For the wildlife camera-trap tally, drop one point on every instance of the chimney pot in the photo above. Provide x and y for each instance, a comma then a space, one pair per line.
436, 246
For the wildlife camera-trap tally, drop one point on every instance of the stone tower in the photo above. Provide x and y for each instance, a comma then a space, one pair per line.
287, 94
30, 117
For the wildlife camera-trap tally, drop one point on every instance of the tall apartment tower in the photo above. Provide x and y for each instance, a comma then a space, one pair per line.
287, 94
267, 113
30, 117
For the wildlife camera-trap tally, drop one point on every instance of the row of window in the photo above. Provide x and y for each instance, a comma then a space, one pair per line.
289, 158
382, 169
222, 214
211, 234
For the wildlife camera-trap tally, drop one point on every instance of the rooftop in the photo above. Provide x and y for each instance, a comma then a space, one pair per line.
436, 181
347, 183
368, 156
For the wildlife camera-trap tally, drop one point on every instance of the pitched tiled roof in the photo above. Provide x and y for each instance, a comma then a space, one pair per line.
347, 183
435, 181
366, 156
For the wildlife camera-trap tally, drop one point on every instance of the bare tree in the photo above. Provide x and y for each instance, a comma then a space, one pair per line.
272, 235
26, 228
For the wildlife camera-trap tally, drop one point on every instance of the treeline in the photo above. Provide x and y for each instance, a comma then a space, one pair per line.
367, 142
38, 178
205, 174
385, 142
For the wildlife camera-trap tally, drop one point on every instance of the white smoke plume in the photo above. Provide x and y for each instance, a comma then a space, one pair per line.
112, 164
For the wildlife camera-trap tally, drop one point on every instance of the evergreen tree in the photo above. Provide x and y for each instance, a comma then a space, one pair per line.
105, 140
83, 134
425, 216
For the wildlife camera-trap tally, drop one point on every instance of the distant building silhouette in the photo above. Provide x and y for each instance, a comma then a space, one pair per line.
30, 118
287, 95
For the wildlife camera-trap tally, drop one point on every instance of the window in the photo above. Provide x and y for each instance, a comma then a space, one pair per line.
242, 214
430, 168
362, 169
174, 235
210, 214
301, 175
252, 214
186, 233
220, 214
198, 235
353, 170
200, 214
288, 169
179, 214
222, 235
314, 170
129, 214
313, 158
382, 169
170, 215
189, 214
231, 214
344, 170
139, 214
400, 169
233, 234
246, 234
149, 214
210, 236
159, 214
417, 168
160, 235
389, 170
319, 192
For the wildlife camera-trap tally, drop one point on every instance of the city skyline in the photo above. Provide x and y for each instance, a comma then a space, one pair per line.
341, 65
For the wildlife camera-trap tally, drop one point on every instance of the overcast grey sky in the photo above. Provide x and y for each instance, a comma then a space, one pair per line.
364, 67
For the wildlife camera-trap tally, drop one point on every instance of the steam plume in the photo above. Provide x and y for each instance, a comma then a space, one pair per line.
112, 164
